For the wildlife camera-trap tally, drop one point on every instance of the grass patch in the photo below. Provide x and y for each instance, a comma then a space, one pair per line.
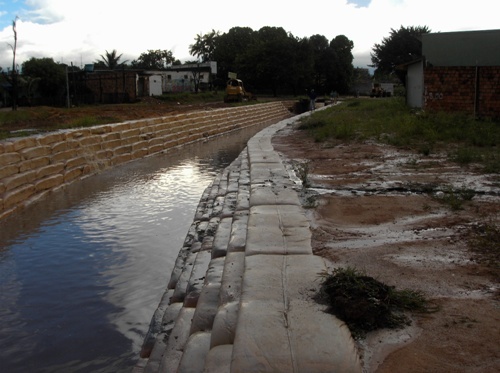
391, 121
455, 197
187, 97
366, 304
90, 121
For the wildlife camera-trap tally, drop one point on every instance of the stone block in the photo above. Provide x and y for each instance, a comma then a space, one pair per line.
243, 199
206, 309
51, 138
177, 341
215, 271
34, 164
90, 140
8, 170
273, 194
230, 203
232, 277
221, 239
280, 328
27, 142
278, 229
182, 281
49, 182
15, 196
9, 158
72, 174
193, 358
75, 162
197, 278
35, 152
64, 155
224, 327
17, 180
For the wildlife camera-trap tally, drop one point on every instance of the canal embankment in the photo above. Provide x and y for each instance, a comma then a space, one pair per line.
240, 297
32, 167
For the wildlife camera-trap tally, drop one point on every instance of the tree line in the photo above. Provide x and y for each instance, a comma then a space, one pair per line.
269, 60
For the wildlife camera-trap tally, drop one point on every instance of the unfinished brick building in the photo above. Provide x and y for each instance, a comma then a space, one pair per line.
459, 71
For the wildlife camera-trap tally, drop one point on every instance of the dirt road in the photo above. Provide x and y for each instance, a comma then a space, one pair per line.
387, 212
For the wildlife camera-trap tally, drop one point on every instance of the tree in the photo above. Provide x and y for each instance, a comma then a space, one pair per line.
267, 61
50, 76
111, 60
322, 60
154, 60
301, 67
204, 46
228, 49
339, 78
402, 46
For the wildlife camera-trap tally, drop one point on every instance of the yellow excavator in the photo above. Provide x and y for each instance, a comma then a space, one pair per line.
235, 91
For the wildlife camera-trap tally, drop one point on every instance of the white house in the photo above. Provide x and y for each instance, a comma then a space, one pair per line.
183, 78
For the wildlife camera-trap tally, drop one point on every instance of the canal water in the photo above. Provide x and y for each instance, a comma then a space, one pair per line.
82, 271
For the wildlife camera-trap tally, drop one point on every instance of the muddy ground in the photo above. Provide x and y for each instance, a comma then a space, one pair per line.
370, 208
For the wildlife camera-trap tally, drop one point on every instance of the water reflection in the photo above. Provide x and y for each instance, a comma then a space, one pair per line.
82, 272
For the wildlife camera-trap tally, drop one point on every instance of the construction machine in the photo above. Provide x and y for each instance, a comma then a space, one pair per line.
235, 91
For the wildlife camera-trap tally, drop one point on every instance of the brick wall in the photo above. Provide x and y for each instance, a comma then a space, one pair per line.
454, 89
32, 167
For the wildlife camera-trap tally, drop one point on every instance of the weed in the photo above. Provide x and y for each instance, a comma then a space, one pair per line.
366, 304
302, 170
86, 122
465, 155
455, 198
391, 121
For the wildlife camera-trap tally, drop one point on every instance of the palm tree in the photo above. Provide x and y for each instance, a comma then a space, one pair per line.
204, 46
111, 59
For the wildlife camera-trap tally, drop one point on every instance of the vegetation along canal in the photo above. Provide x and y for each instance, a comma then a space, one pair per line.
82, 272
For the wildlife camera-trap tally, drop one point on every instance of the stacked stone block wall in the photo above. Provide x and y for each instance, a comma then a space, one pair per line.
33, 166
469, 90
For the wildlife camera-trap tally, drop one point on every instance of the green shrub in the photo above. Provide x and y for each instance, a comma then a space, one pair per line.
391, 121
366, 304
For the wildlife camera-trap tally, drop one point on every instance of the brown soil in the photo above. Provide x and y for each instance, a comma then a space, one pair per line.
52, 118
369, 212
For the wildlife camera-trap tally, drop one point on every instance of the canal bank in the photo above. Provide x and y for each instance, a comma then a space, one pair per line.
239, 298
82, 271
33, 167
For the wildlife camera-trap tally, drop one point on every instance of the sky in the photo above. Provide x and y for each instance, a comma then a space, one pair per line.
79, 32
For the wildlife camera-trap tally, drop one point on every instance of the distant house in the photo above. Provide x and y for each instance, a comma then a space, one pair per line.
459, 71
128, 85
184, 78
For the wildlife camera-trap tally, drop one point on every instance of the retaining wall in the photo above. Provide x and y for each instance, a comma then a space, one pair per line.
33, 166
240, 296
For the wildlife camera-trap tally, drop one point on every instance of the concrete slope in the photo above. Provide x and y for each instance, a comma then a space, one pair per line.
240, 295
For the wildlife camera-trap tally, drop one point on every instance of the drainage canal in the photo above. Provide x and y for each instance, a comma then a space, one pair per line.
82, 272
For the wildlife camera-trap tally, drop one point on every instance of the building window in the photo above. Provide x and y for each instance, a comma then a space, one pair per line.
185, 76
169, 77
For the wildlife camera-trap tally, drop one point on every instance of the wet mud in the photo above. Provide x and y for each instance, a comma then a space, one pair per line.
389, 213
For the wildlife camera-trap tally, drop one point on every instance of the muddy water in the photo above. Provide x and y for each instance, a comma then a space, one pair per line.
82, 272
